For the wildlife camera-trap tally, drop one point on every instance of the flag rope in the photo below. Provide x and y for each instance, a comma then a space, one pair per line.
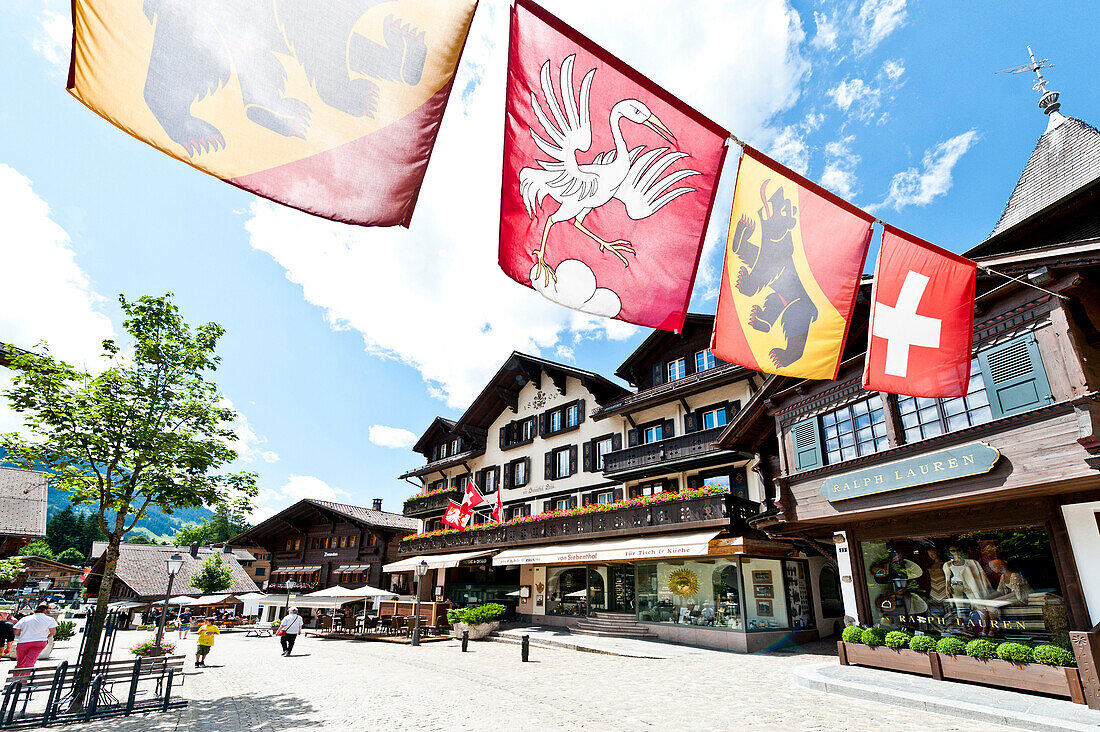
1017, 280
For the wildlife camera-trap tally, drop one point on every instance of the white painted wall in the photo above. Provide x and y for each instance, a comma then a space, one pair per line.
1084, 539
844, 550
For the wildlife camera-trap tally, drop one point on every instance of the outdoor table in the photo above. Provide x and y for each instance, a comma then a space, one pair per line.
258, 631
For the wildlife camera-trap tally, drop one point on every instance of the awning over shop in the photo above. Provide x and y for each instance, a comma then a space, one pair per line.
435, 561
693, 544
217, 600
293, 570
353, 568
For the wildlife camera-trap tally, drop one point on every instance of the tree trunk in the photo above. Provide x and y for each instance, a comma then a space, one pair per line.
94, 628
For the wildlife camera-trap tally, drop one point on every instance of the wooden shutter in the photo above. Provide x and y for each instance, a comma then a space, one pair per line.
496, 477
503, 436
527, 470
691, 422
658, 374
544, 423
616, 442
806, 439
572, 501
632, 437
508, 475
1015, 379
695, 481
732, 408
580, 411
617, 494
548, 466
572, 459
668, 429
546, 506
588, 449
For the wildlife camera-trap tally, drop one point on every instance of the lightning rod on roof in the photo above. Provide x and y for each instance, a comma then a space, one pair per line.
1048, 100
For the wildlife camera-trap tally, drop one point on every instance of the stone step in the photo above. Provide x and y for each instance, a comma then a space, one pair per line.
609, 626
635, 633
614, 616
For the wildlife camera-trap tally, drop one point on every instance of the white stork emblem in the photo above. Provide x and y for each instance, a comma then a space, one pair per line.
633, 177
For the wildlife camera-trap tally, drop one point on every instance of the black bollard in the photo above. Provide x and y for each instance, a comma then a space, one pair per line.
525, 648
465, 640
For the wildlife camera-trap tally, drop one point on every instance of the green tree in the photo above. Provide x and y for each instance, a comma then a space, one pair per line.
63, 530
139, 539
71, 557
11, 570
190, 534
37, 548
149, 429
214, 576
90, 532
225, 524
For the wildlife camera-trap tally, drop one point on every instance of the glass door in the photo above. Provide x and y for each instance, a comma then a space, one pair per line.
621, 588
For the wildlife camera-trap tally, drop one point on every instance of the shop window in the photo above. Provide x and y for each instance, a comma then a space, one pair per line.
677, 369
999, 584
567, 591
923, 418
700, 593
855, 430
704, 360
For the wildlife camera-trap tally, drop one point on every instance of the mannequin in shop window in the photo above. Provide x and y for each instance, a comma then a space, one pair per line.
966, 579
1013, 586
937, 579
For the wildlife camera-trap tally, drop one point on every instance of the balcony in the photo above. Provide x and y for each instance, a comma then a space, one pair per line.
665, 454
436, 504
718, 512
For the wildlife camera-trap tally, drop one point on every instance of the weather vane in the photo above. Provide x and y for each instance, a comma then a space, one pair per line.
1048, 101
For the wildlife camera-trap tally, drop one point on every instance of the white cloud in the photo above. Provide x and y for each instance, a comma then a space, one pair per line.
847, 93
877, 19
270, 501
394, 437
790, 148
827, 31
44, 293
893, 69
920, 186
248, 444
433, 297
839, 175
53, 38
564, 353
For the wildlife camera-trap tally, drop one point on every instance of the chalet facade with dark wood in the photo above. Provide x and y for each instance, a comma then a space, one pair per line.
977, 516
319, 544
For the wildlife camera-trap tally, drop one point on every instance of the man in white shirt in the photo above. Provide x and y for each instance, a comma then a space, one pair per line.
32, 634
289, 629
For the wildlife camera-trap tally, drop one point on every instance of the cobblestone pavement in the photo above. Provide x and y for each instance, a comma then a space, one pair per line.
346, 685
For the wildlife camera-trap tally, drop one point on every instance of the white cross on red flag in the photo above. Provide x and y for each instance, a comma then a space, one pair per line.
922, 319
472, 498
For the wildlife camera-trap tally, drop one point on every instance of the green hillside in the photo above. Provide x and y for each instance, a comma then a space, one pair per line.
156, 524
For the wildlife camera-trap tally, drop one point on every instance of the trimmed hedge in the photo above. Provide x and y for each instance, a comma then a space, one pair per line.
1015, 652
873, 636
898, 639
923, 643
852, 634
981, 648
951, 646
1052, 655
477, 615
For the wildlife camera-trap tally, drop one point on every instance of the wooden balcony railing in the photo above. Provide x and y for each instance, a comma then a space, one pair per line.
719, 512
430, 504
693, 444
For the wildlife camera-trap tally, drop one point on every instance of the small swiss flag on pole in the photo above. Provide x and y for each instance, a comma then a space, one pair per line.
922, 319
498, 510
472, 498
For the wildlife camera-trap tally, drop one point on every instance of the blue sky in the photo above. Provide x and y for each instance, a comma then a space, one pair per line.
333, 330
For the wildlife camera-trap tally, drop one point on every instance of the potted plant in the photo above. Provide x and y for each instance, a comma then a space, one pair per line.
479, 621
881, 649
148, 648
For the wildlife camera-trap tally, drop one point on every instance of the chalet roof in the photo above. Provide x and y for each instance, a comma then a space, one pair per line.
1064, 163
672, 390
658, 341
439, 427
368, 516
22, 502
502, 391
243, 555
143, 568
50, 563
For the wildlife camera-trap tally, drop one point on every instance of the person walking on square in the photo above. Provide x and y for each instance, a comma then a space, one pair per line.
7, 632
289, 629
207, 633
185, 623
33, 633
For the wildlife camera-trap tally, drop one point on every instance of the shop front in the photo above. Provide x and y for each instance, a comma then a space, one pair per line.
697, 588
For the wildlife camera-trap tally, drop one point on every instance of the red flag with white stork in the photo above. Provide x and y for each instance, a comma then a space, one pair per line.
456, 516
608, 180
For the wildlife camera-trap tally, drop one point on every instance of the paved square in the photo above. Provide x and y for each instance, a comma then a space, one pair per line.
347, 685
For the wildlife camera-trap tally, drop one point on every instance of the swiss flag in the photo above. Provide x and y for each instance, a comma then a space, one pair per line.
457, 515
498, 510
922, 319
472, 498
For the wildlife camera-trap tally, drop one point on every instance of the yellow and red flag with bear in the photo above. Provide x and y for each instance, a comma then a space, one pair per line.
794, 256
328, 106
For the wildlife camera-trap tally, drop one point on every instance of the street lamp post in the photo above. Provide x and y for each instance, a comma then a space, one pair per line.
174, 563
421, 570
290, 585
43, 585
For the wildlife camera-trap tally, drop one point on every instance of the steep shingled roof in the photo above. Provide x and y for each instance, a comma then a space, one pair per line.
143, 568
1066, 159
22, 502
370, 516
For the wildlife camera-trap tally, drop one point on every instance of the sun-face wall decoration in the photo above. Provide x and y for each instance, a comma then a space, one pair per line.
683, 583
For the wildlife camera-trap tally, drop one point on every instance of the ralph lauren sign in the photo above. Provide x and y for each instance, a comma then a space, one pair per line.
974, 458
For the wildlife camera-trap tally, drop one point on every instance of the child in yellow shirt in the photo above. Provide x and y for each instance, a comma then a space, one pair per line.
207, 632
